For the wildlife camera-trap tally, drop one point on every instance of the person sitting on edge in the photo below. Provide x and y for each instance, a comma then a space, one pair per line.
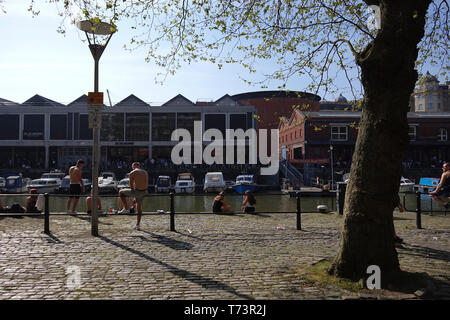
138, 190
30, 204
442, 192
89, 204
219, 204
3, 209
127, 200
248, 202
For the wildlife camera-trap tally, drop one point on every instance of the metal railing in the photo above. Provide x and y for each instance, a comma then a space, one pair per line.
172, 212
338, 207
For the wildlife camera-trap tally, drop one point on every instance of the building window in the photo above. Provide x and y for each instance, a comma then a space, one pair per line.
430, 106
412, 132
112, 127
339, 133
85, 133
215, 121
186, 121
137, 126
420, 107
443, 134
33, 127
238, 121
163, 124
9, 127
58, 127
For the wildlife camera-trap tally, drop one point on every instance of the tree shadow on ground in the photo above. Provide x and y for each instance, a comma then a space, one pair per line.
166, 241
206, 283
425, 252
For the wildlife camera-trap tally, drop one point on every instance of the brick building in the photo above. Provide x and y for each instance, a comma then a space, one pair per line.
306, 137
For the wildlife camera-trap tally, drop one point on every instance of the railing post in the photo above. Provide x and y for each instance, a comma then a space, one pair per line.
418, 211
172, 211
46, 214
299, 212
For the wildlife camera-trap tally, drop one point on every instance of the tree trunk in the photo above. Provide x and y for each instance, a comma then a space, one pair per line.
388, 76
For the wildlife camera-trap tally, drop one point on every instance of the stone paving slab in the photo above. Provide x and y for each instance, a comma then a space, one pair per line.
208, 257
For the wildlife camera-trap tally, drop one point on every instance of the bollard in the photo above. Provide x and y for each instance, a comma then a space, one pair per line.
46, 215
172, 211
299, 213
418, 211
340, 197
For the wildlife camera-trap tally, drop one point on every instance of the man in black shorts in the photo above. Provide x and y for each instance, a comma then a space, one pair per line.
76, 186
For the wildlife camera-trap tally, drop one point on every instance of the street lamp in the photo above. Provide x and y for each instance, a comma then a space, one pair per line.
93, 29
332, 173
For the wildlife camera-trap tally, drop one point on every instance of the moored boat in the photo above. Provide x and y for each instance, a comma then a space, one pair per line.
2, 184
16, 184
427, 185
244, 183
185, 183
107, 183
406, 185
44, 185
214, 182
163, 184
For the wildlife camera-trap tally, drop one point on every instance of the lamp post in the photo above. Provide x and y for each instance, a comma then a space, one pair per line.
332, 173
92, 29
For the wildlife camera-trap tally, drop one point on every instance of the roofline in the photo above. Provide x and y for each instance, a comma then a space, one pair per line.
276, 94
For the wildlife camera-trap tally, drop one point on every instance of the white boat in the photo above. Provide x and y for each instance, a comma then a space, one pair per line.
214, 182
16, 184
107, 183
163, 184
44, 185
185, 183
406, 185
55, 174
2, 184
124, 183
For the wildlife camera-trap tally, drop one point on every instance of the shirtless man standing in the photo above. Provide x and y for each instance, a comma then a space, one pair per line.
76, 185
138, 189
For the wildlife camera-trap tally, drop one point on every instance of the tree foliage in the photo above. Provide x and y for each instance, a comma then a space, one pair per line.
318, 40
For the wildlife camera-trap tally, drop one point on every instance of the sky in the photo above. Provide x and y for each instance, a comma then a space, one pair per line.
35, 59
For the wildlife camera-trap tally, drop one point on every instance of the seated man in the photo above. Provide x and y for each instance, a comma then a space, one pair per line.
442, 192
30, 206
219, 204
138, 190
89, 204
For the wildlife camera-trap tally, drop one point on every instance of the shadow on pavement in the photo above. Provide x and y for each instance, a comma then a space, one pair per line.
169, 242
207, 283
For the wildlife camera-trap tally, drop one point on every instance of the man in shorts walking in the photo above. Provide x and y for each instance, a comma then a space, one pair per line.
76, 186
138, 190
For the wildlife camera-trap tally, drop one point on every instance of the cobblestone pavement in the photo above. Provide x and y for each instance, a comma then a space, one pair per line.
208, 257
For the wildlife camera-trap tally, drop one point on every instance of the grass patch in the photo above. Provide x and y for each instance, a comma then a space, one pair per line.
317, 274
